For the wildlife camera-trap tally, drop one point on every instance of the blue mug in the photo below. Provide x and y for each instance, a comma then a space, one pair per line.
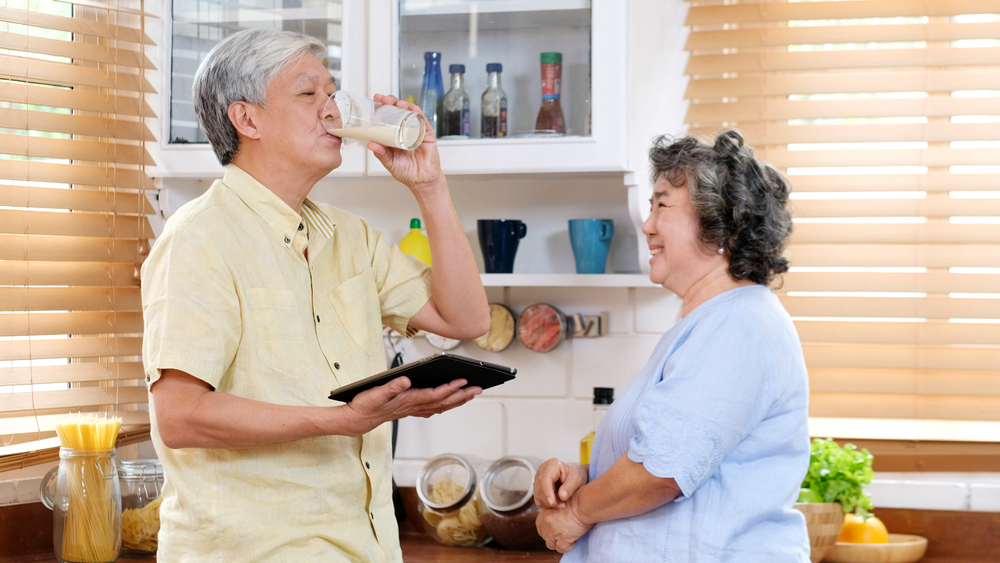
591, 240
498, 239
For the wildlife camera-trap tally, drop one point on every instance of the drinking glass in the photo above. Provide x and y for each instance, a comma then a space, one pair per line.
364, 119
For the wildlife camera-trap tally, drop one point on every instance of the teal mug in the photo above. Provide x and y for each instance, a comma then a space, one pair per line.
591, 240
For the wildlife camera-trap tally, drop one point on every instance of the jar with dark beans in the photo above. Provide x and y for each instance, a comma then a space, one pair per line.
509, 509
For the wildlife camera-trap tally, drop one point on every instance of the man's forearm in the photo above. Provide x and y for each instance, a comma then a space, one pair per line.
456, 286
625, 490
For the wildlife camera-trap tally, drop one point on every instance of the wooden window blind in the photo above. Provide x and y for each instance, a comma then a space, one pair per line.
73, 225
885, 117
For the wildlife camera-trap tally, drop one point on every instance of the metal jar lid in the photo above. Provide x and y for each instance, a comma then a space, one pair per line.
140, 470
447, 466
505, 476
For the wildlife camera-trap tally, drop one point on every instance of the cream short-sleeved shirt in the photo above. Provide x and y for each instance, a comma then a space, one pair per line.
230, 297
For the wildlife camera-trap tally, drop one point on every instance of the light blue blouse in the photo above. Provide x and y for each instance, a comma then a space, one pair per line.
721, 407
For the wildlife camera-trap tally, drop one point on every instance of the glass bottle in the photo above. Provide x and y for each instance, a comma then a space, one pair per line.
85, 497
494, 121
456, 105
550, 115
448, 499
603, 397
142, 484
509, 509
432, 93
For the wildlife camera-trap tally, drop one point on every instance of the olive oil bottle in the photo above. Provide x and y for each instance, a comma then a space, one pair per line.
603, 397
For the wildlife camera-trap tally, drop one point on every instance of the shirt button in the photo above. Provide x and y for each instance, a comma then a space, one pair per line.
368, 465
336, 365
317, 318
301, 226
287, 240
373, 515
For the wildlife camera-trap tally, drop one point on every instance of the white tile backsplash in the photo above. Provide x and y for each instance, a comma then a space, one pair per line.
28, 490
934, 495
656, 310
610, 361
476, 428
984, 497
547, 428
8, 492
583, 300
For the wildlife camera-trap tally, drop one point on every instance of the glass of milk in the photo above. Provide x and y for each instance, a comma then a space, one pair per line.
366, 120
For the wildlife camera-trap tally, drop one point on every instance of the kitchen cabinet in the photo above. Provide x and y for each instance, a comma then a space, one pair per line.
566, 280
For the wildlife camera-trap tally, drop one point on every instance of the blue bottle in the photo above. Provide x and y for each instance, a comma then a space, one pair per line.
432, 94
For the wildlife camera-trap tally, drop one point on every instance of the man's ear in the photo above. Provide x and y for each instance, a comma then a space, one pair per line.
244, 119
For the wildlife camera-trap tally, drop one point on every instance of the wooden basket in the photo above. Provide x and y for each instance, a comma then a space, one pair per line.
824, 520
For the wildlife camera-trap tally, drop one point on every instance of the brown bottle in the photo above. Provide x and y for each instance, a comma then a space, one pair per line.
550, 116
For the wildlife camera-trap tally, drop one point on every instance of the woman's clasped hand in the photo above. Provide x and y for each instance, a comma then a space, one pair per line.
560, 523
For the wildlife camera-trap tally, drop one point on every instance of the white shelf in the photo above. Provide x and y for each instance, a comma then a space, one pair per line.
441, 7
567, 280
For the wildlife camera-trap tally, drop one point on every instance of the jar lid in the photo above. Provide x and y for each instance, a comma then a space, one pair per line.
509, 483
140, 468
433, 486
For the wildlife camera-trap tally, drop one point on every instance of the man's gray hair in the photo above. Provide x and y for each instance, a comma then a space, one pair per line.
239, 69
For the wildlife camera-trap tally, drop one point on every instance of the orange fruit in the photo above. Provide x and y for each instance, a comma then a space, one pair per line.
857, 530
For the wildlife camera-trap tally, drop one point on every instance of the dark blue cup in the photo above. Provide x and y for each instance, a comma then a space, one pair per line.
591, 240
498, 240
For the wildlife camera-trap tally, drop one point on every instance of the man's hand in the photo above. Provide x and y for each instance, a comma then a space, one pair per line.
561, 527
417, 169
556, 481
396, 400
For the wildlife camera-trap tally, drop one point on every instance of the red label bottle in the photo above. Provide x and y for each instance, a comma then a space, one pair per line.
550, 116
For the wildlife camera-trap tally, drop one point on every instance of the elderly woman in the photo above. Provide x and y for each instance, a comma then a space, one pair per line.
702, 456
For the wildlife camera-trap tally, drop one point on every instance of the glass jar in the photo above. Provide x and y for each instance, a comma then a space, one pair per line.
448, 499
142, 485
508, 495
84, 496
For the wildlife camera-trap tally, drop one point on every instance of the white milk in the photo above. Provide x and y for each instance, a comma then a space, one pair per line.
382, 134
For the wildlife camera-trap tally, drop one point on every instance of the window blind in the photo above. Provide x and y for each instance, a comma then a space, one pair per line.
885, 117
73, 225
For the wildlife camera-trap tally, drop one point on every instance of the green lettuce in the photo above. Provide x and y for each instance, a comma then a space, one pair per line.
838, 475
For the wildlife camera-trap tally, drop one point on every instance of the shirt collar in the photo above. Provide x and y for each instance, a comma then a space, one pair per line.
272, 209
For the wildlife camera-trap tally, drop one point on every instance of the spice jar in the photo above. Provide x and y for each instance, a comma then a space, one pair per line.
448, 493
509, 499
141, 484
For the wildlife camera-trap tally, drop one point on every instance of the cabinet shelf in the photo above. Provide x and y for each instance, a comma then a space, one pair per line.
445, 7
567, 280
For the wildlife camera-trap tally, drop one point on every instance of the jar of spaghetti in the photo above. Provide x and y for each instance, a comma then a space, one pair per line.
448, 500
508, 495
142, 484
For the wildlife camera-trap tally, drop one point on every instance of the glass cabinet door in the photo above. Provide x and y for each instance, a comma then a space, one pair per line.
525, 38
198, 25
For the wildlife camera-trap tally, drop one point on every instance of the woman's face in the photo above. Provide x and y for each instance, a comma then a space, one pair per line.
678, 259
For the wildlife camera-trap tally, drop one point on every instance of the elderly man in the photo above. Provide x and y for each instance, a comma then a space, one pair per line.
259, 301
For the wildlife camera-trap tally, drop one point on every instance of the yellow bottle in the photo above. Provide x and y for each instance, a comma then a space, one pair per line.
603, 397
416, 244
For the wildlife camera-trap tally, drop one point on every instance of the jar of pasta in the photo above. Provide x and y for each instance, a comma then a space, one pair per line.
508, 495
448, 499
141, 484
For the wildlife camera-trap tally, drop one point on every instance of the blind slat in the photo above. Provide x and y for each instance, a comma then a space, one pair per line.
783, 61
902, 356
50, 323
23, 93
82, 347
50, 72
77, 224
70, 249
72, 373
781, 36
930, 182
926, 307
76, 50
70, 398
74, 149
98, 176
775, 109
74, 124
778, 11
760, 134
915, 381
102, 273
933, 231
937, 407
78, 199
70, 299
932, 281
925, 333
896, 255
78, 26
941, 157
845, 82
936, 207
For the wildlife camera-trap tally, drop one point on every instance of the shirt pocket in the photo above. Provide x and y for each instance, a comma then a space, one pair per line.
280, 336
357, 304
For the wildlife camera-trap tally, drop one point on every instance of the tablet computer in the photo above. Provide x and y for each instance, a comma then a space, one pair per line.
430, 372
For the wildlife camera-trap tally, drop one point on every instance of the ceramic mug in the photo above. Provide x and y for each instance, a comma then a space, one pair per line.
591, 240
498, 239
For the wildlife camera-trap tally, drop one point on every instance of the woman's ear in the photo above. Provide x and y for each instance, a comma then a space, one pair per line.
244, 118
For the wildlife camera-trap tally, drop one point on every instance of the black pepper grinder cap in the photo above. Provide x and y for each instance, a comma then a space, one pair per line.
494, 67
604, 395
456, 69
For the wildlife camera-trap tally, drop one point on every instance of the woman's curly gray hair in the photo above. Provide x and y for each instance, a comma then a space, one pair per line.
741, 202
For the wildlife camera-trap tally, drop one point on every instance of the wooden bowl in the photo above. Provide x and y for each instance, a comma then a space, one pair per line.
824, 521
902, 548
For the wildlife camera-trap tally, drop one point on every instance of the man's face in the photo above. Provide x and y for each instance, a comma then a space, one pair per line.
291, 125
